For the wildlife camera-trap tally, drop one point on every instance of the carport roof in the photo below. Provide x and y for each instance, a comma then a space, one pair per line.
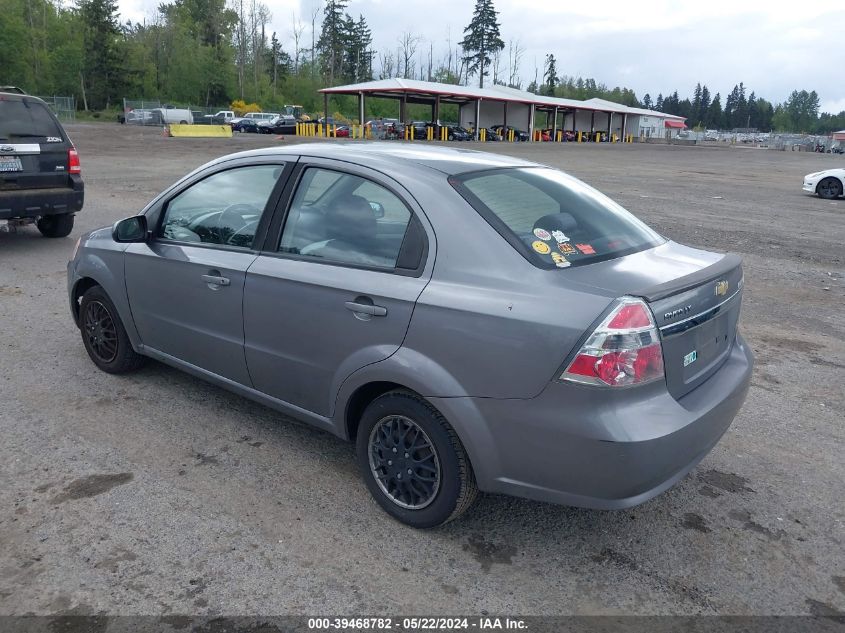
452, 93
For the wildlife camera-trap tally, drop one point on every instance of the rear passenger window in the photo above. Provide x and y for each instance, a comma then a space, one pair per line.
224, 208
344, 218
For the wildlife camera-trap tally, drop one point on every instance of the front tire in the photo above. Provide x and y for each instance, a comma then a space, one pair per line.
829, 188
412, 461
104, 336
56, 225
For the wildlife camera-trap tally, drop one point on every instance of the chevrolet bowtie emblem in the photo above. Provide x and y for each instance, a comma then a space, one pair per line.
7, 148
722, 287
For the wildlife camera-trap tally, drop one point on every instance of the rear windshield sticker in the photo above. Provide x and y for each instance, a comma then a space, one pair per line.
543, 234
567, 249
541, 247
560, 260
586, 249
560, 237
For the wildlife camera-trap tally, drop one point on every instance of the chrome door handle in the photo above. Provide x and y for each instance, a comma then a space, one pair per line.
364, 308
216, 280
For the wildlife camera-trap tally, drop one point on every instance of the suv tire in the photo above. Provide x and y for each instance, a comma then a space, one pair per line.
401, 432
56, 225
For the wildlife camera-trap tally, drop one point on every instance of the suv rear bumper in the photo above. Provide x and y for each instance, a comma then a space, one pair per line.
610, 449
33, 203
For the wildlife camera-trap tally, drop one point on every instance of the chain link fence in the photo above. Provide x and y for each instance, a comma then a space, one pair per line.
155, 113
63, 107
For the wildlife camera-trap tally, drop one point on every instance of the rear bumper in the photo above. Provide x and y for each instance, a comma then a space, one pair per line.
581, 446
33, 203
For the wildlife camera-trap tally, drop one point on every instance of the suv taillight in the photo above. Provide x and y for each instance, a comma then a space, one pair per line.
73, 164
624, 350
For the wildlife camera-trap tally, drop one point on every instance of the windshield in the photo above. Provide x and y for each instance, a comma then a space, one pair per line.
26, 119
553, 219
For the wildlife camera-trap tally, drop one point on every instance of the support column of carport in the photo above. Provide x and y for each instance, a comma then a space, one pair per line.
477, 119
609, 126
435, 112
554, 127
624, 127
531, 122
592, 124
361, 112
326, 113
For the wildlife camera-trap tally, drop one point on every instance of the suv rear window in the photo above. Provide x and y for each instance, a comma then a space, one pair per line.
26, 119
553, 219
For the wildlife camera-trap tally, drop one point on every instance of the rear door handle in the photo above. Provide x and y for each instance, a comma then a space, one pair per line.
364, 308
216, 280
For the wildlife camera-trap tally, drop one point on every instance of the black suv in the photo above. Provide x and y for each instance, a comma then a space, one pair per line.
40, 177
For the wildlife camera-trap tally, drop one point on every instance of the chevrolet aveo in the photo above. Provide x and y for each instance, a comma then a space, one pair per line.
470, 321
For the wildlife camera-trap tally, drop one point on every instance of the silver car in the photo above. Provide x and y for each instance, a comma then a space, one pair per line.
471, 321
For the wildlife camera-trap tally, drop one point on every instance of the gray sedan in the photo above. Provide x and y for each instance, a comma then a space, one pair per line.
472, 322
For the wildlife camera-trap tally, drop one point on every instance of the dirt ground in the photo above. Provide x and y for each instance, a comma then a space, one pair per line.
156, 493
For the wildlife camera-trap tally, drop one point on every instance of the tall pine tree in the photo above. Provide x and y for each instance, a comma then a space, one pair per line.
101, 76
332, 42
481, 39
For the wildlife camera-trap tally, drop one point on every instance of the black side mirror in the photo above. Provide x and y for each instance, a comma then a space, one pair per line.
132, 229
378, 210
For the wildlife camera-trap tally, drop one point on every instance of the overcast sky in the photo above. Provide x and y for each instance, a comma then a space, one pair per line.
655, 46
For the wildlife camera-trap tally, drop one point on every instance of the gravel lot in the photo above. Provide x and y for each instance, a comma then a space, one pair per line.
156, 493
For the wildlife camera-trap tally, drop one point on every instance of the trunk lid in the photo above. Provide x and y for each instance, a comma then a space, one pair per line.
695, 297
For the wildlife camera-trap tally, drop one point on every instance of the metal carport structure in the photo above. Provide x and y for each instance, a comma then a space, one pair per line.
508, 99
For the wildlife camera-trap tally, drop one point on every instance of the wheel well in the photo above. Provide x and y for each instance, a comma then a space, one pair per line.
359, 400
82, 286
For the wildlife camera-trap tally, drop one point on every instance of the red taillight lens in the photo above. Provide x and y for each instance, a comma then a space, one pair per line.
624, 350
73, 164
631, 315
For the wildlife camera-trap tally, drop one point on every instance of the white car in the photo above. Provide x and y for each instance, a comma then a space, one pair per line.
828, 184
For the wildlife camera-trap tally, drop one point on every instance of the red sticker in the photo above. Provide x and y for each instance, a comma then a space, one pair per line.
586, 249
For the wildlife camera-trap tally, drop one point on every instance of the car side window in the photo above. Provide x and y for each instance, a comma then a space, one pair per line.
224, 208
344, 218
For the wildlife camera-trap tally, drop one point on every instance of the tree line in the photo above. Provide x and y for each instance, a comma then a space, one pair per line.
211, 52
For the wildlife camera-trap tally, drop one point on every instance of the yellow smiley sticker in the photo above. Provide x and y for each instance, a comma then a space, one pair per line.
541, 247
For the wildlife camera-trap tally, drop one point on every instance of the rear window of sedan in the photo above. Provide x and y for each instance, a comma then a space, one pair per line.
553, 219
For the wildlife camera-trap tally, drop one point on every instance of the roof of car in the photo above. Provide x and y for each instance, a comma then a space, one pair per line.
450, 161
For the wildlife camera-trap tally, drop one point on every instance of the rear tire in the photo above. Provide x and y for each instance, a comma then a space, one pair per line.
104, 336
829, 188
56, 225
401, 434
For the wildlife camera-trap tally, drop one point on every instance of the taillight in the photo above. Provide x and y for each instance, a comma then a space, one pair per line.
73, 164
624, 350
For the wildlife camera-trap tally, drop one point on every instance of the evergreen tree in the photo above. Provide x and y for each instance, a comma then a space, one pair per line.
696, 105
550, 76
358, 65
647, 104
481, 39
658, 105
704, 106
333, 38
101, 76
714, 114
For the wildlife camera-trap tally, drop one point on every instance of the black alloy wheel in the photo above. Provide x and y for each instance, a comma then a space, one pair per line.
404, 462
413, 461
103, 334
99, 329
